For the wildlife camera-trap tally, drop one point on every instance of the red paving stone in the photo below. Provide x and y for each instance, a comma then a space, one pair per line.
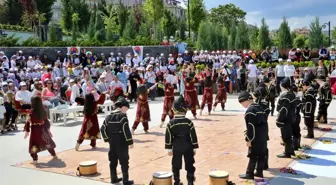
222, 147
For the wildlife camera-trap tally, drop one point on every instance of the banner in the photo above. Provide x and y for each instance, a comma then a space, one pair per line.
74, 50
139, 51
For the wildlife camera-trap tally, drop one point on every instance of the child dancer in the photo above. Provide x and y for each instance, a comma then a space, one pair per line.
90, 127
190, 96
39, 128
168, 103
142, 112
221, 93
207, 95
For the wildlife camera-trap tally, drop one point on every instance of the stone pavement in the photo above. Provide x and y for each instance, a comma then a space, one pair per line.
221, 147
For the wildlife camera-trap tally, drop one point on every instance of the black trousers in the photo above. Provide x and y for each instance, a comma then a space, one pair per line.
323, 112
279, 79
272, 103
118, 153
133, 95
286, 135
79, 100
26, 106
296, 131
227, 86
11, 114
189, 161
309, 122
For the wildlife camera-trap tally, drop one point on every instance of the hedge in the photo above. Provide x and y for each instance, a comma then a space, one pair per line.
15, 28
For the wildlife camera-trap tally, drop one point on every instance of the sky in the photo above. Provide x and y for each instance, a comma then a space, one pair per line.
299, 13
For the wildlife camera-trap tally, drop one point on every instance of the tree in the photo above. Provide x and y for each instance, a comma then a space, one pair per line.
315, 35
75, 27
66, 15
154, 10
52, 35
91, 28
122, 17
300, 41
129, 31
232, 35
224, 14
12, 12
263, 37
253, 33
197, 14
284, 35
82, 9
158, 31
44, 7
100, 34
242, 39
225, 37
30, 13
110, 21
204, 40
333, 34
169, 23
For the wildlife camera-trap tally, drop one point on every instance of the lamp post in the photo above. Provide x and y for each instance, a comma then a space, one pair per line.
324, 26
189, 28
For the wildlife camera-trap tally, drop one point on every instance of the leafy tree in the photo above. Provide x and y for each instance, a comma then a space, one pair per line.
12, 12
285, 40
129, 31
138, 16
44, 7
182, 31
75, 27
144, 29
204, 40
333, 34
158, 31
225, 38
253, 33
232, 36
52, 35
100, 34
242, 39
122, 17
91, 29
66, 15
110, 20
82, 9
224, 14
300, 41
30, 13
154, 10
197, 14
169, 24
263, 37
315, 35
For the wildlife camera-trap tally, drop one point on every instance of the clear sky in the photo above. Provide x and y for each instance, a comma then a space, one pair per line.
298, 12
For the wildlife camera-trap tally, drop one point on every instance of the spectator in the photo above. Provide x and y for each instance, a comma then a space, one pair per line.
133, 79
332, 54
292, 54
115, 84
242, 76
266, 55
252, 75
323, 53
38, 87
23, 96
306, 54
122, 78
76, 96
332, 66
321, 69
102, 86
289, 70
279, 74
47, 74
49, 94
275, 54
298, 54
227, 75
181, 46
150, 81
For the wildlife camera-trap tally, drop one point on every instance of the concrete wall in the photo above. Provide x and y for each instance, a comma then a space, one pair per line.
52, 51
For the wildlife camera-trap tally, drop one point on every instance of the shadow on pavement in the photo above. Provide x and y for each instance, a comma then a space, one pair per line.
71, 124
317, 162
142, 141
320, 152
54, 163
152, 133
97, 149
285, 180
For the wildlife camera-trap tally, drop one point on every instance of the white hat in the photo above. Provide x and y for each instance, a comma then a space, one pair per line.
20, 51
218, 51
213, 52
195, 51
162, 55
119, 53
234, 51
224, 51
86, 68
289, 60
102, 54
111, 53
58, 78
47, 79
14, 56
205, 51
68, 54
250, 51
4, 83
30, 57
1, 52
306, 69
244, 51
170, 55
147, 54
93, 64
186, 51
23, 84
58, 51
251, 61
280, 59
149, 66
71, 80
135, 55
298, 49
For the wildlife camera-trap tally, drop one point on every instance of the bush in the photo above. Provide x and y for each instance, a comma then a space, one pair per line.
9, 41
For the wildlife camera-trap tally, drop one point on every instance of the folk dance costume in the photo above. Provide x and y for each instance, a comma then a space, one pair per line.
143, 111
286, 116
271, 94
181, 141
256, 136
207, 95
221, 93
190, 95
325, 98
90, 126
168, 103
116, 131
296, 131
308, 107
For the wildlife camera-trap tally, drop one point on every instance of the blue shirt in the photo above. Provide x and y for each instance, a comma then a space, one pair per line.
181, 47
122, 77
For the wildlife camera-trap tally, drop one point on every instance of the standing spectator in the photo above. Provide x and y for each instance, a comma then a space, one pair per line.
242, 76
150, 81
289, 70
275, 54
122, 78
252, 75
279, 74
323, 53
181, 46
332, 54
227, 75
321, 69
298, 54
136, 60
129, 60
133, 79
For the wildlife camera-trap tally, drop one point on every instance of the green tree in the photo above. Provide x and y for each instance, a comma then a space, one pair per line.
253, 33
263, 36
333, 34
158, 31
123, 15
315, 35
154, 10
100, 34
197, 14
12, 12
204, 40
44, 7
169, 24
145, 29
82, 9
242, 39
75, 27
224, 14
284, 35
66, 15
183, 29
52, 35
232, 35
225, 37
91, 29
300, 41
110, 21
129, 31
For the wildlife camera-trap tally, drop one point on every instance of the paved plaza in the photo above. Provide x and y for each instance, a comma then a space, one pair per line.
222, 147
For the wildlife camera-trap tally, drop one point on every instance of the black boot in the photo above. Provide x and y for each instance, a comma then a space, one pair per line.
272, 111
310, 134
289, 151
190, 178
260, 168
177, 180
266, 163
250, 168
114, 177
325, 119
296, 143
126, 181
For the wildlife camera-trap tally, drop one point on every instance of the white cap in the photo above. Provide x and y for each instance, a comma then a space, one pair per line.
58, 78
111, 53
289, 60
135, 55
23, 84
85, 68
20, 51
280, 59
147, 54
1, 52
4, 83
58, 51
170, 55
186, 51
162, 55
224, 51
102, 54
250, 51
68, 54
251, 61
149, 66
30, 57
71, 80
244, 51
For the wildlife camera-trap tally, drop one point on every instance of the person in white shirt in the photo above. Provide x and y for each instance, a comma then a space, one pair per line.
227, 73
115, 84
31, 63
5, 63
23, 96
136, 60
279, 74
252, 75
289, 69
75, 93
150, 78
129, 59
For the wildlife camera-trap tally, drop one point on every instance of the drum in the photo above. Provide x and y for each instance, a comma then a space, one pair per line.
162, 178
87, 168
218, 178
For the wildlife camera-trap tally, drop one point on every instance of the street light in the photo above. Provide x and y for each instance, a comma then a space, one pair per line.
324, 26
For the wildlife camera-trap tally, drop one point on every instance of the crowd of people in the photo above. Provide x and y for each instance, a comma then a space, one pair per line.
33, 86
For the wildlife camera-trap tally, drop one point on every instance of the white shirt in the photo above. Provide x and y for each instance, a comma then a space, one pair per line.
31, 64
2, 112
163, 69
150, 77
129, 61
115, 84
172, 67
77, 61
226, 71
76, 72
280, 71
289, 70
136, 61
75, 93
94, 71
179, 60
6, 64
252, 70
23, 96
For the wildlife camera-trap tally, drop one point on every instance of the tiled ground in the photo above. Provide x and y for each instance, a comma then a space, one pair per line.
222, 147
